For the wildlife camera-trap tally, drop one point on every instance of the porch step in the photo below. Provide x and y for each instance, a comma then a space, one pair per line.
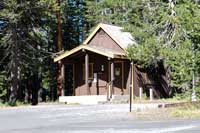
86, 100
93, 99
120, 99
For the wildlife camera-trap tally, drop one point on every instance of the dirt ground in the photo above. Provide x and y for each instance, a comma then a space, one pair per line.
167, 113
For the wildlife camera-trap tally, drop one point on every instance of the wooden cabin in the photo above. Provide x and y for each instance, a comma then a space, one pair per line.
100, 66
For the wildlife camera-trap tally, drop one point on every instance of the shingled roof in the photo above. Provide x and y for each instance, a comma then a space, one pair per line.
122, 38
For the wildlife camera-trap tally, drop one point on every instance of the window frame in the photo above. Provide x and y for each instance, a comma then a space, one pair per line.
91, 72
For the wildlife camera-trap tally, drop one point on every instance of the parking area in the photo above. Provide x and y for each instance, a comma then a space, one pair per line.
85, 118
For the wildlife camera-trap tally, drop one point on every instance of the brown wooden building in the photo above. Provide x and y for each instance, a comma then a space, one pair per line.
100, 66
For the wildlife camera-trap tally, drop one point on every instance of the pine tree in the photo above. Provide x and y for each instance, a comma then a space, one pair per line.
107, 11
166, 30
23, 40
73, 23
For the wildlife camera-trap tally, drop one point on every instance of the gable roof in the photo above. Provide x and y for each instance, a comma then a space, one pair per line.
123, 39
99, 50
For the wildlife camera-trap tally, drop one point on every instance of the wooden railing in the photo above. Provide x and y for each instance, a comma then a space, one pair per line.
109, 90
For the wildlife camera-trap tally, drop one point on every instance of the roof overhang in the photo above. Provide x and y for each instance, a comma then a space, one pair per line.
88, 48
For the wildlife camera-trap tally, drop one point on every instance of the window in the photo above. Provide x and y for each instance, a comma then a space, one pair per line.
117, 71
90, 71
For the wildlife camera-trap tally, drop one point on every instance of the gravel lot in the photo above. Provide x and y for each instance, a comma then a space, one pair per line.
113, 118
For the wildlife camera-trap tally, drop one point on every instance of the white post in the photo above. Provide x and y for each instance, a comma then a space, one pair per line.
140, 93
193, 75
151, 94
109, 91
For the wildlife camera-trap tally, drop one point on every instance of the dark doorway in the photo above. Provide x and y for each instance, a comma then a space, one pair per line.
69, 80
118, 78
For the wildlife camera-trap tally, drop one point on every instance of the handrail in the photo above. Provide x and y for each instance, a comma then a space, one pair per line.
109, 90
109, 83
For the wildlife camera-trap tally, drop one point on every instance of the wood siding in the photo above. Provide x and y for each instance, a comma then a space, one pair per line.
146, 79
142, 78
96, 88
103, 40
99, 87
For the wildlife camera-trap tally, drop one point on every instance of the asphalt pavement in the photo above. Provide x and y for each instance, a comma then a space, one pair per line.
107, 118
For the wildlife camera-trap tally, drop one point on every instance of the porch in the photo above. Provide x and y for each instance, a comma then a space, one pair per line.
97, 73
93, 99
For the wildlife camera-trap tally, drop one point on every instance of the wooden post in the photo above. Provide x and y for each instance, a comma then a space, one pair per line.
74, 83
59, 79
130, 100
63, 80
87, 73
132, 80
123, 78
112, 77
131, 87
108, 93
151, 94
140, 93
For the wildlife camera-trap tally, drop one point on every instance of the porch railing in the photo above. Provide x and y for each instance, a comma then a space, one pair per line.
109, 90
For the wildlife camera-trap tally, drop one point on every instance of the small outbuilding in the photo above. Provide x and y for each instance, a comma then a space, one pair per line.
100, 66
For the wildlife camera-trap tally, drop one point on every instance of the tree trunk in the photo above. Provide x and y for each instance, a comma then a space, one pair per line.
15, 70
59, 48
35, 88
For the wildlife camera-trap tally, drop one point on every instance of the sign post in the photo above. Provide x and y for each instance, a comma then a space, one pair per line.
131, 88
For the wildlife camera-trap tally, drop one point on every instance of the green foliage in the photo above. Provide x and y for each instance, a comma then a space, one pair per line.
24, 42
186, 96
145, 21
180, 56
146, 54
197, 89
31, 29
107, 11
28, 39
73, 22
3, 92
161, 35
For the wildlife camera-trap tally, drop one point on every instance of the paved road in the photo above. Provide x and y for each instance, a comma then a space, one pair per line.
86, 119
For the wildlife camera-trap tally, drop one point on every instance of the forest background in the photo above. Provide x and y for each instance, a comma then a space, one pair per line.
166, 31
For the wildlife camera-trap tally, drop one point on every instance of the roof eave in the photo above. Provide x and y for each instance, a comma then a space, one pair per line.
68, 53
120, 57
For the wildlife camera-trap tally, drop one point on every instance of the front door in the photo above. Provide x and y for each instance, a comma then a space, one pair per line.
118, 78
69, 80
